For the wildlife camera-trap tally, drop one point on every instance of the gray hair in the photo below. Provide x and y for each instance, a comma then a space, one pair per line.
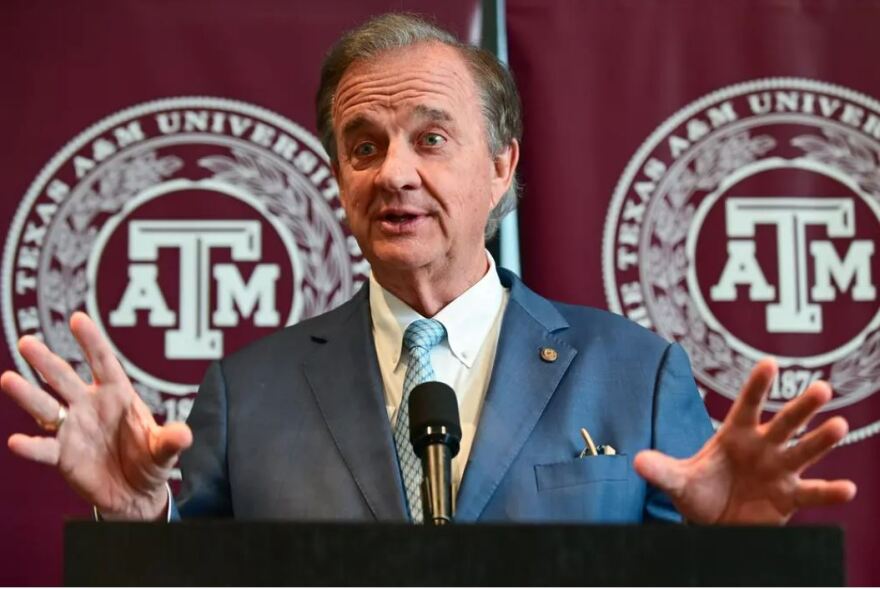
500, 100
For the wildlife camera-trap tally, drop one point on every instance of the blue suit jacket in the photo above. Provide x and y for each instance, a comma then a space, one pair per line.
294, 426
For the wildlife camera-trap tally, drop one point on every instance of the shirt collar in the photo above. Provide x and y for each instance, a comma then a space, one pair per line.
468, 319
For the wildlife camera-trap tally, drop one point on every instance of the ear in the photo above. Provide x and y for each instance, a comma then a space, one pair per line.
504, 169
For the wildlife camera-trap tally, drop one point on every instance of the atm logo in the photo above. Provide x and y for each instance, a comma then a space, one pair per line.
193, 242
790, 309
747, 225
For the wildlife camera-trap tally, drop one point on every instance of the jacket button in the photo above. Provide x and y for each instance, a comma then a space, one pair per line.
549, 355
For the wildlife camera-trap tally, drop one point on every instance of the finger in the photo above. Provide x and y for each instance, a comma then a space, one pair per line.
816, 444
54, 370
38, 449
746, 410
816, 492
38, 403
170, 440
797, 412
662, 471
105, 367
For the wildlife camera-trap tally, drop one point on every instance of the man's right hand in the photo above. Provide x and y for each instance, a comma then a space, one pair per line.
109, 448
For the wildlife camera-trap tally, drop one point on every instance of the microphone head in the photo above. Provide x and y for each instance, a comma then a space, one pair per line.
433, 417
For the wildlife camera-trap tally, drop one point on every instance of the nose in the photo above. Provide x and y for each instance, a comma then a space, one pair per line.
399, 170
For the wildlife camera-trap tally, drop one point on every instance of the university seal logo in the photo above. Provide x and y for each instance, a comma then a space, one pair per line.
186, 228
748, 225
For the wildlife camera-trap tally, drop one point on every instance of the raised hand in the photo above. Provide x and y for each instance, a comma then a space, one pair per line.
747, 472
107, 445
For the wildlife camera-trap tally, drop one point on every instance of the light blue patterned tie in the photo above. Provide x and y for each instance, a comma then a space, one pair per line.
419, 338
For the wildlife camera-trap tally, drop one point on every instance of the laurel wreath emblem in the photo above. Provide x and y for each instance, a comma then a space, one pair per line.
667, 261
63, 286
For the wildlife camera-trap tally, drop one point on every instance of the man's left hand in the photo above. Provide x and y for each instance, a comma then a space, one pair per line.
748, 473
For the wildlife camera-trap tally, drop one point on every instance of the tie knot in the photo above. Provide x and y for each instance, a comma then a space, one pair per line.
424, 333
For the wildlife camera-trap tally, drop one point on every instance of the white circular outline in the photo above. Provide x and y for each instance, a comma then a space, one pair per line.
157, 191
91, 133
639, 158
703, 209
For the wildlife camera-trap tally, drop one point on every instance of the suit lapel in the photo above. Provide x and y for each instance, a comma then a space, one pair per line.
347, 385
522, 383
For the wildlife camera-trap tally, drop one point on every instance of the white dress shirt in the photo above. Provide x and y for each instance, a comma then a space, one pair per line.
463, 360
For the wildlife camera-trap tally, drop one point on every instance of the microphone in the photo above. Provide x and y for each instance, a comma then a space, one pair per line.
435, 433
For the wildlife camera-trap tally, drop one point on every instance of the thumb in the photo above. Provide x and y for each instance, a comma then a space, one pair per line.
662, 471
171, 439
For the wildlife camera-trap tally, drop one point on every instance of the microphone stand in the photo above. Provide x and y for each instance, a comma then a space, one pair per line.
437, 505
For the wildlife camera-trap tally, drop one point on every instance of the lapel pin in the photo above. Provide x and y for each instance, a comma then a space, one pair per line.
549, 355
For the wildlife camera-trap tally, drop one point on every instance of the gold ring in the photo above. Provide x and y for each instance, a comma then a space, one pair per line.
54, 426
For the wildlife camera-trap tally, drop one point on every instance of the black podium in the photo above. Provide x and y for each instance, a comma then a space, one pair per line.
276, 553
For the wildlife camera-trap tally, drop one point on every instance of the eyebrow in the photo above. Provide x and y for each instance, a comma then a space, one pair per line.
422, 111
355, 125
433, 114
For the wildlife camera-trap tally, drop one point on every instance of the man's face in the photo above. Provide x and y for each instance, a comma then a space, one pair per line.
416, 177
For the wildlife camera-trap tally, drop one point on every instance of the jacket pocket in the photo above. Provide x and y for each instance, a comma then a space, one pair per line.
580, 471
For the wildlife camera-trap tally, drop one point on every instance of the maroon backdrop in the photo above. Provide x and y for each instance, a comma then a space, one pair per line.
68, 66
669, 178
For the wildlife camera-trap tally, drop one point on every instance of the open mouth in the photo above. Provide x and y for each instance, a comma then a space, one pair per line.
393, 218
400, 222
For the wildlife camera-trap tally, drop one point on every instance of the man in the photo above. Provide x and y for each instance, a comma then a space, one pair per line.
310, 423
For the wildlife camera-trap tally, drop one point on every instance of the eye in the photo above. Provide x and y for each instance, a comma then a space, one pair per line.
433, 140
365, 149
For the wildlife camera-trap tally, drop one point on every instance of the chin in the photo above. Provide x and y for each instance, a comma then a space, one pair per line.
400, 257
